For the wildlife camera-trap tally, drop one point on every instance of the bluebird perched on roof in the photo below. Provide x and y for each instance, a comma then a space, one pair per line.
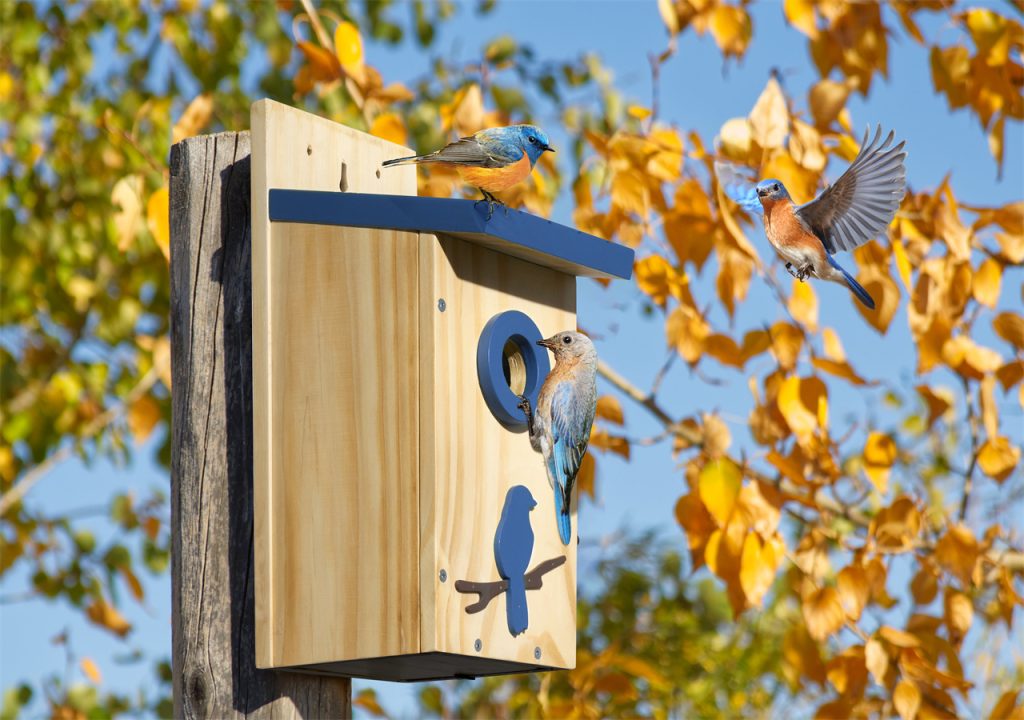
492, 160
560, 429
513, 546
857, 208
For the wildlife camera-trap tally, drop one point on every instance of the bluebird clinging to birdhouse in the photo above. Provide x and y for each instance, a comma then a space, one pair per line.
513, 546
857, 208
492, 160
560, 429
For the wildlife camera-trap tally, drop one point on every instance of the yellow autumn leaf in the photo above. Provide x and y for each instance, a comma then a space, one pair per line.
143, 415
196, 117
638, 112
323, 65
769, 120
158, 218
823, 612
391, 127
106, 615
958, 611
786, 341
1006, 708
1010, 327
366, 699
986, 283
735, 138
925, 585
799, 400
886, 294
970, 359
876, 660
630, 191
655, 277
609, 408
899, 253
694, 518
827, 98
998, 457
989, 410
759, 562
896, 526
731, 28
666, 162
686, 331
719, 486
803, 304
957, 551
854, 590
126, 196
800, 14
907, 699
348, 46
91, 670
879, 456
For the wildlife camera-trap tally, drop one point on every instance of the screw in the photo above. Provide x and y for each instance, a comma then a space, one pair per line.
536, 653
441, 304
478, 646
443, 575
309, 149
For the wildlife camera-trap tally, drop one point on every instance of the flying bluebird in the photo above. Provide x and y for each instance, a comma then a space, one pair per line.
492, 160
560, 429
845, 215
513, 546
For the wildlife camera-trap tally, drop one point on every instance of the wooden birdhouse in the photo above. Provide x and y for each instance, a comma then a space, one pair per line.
391, 335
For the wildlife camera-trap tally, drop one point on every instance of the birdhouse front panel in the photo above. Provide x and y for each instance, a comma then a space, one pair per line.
404, 526
476, 460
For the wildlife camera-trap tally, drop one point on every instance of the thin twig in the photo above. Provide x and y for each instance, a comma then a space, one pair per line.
101, 421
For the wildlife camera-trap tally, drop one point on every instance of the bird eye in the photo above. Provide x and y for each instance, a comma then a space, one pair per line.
532, 139
567, 340
775, 186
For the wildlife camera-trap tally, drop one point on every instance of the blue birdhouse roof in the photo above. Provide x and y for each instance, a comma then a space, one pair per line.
514, 233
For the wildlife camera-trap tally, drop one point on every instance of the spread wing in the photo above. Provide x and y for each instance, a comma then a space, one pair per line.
477, 150
738, 185
571, 419
864, 199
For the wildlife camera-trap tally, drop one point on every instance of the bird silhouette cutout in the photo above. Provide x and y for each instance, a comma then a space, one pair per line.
491, 160
856, 209
513, 547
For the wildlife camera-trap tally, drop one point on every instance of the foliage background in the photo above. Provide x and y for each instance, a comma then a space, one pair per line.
850, 521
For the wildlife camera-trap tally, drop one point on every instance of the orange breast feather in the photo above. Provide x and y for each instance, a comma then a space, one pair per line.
497, 179
783, 229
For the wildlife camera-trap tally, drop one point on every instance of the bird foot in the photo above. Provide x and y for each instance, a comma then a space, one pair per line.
524, 405
804, 272
491, 202
790, 270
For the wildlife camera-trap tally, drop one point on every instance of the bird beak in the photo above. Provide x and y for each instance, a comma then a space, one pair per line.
548, 148
762, 193
548, 343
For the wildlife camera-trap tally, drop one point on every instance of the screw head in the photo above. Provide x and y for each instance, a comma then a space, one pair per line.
443, 575
478, 646
536, 653
441, 304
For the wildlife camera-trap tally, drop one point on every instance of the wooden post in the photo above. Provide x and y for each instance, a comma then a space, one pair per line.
213, 632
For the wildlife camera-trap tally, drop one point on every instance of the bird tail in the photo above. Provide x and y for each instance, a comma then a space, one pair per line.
854, 286
404, 161
562, 515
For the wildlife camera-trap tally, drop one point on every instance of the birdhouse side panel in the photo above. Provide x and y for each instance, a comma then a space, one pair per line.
475, 461
343, 501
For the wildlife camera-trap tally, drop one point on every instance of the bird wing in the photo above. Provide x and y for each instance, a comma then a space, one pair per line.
570, 434
738, 185
478, 150
864, 199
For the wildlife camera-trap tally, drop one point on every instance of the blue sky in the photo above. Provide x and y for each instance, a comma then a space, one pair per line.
696, 92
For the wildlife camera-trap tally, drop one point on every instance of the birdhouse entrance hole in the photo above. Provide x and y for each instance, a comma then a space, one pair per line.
509, 363
514, 367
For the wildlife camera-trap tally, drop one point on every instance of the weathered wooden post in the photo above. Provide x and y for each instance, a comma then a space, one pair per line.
213, 627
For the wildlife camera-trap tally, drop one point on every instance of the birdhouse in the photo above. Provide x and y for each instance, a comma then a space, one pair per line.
393, 475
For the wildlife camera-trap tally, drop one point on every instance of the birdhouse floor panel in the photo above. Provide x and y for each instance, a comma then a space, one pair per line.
422, 668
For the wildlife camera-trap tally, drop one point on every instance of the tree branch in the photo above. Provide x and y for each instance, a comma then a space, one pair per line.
487, 591
93, 427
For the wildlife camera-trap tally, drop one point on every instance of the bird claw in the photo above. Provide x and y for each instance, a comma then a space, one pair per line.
804, 272
790, 270
524, 405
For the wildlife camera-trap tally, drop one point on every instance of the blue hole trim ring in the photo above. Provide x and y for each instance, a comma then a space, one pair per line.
499, 330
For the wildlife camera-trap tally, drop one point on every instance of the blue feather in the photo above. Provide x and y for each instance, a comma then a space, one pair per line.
855, 286
738, 186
